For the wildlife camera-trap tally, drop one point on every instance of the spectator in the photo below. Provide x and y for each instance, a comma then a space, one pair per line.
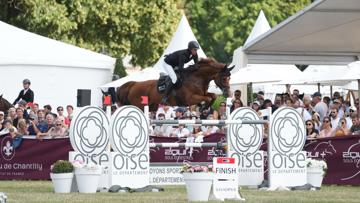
8, 128
320, 107
179, 113
19, 115
26, 94
316, 120
278, 102
296, 97
59, 130
11, 114
22, 128
334, 118
70, 111
180, 132
167, 110
48, 109
23, 105
237, 96
304, 114
163, 130
208, 130
33, 122
35, 107
260, 97
40, 133
326, 100
338, 105
2, 119
311, 132
256, 106
355, 128
307, 104
327, 130
236, 104
60, 111
222, 111
342, 129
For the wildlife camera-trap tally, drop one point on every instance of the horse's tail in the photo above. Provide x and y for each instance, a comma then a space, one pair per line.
122, 93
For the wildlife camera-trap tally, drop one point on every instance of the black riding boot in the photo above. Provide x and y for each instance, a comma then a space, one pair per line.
165, 99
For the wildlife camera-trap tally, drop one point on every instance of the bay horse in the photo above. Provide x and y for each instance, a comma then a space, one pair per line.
5, 105
192, 91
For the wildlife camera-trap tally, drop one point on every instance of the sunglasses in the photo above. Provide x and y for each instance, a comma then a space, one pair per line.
60, 110
326, 121
58, 124
308, 124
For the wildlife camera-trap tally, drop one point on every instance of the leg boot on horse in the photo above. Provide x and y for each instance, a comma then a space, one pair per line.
168, 89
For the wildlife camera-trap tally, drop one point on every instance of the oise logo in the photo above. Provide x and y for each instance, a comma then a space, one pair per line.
89, 133
288, 131
247, 138
129, 131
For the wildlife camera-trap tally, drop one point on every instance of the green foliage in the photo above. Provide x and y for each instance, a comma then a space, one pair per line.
119, 68
62, 166
222, 26
122, 27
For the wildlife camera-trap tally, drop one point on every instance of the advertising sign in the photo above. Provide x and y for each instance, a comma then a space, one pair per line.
244, 143
130, 161
287, 161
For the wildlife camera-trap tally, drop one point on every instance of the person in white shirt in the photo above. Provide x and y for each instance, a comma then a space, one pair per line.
334, 118
320, 107
180, 132
168, 111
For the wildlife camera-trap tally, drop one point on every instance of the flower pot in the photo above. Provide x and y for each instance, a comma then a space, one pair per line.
315, 176
62, 182
87, 179
198, 185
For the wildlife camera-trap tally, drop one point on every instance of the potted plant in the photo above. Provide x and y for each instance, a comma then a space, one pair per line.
316, 171
198, 180
62, 173
87, 176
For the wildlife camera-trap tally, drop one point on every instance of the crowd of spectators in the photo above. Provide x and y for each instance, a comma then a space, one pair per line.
29, 119
323, 116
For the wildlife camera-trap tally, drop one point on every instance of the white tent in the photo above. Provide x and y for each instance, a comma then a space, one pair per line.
56, 70
264, 73
325, 33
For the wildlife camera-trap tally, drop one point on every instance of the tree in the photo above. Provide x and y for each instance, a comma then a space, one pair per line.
222, 26
121, 27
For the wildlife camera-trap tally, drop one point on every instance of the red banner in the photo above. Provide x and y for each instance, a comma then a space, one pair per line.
33, 158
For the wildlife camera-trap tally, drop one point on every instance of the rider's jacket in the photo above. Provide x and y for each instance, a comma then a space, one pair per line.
179, 58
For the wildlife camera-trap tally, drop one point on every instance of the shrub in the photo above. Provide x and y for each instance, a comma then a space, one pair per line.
62, 166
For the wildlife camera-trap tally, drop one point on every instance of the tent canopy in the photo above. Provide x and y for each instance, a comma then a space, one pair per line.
22, 47
326, 32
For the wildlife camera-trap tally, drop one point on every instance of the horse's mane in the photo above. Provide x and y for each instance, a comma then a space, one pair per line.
204, 61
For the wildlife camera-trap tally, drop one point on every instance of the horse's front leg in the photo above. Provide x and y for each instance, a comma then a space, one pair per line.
198, 99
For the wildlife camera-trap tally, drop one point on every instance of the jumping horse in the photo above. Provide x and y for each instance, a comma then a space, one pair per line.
192, 90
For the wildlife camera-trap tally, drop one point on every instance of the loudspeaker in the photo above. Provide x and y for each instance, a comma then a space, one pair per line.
83, 97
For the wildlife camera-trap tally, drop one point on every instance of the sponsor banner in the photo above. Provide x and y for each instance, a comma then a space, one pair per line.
286, 141
166, 175
130, 161
33, 158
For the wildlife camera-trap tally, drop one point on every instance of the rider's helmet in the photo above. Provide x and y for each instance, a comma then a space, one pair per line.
193, 45
26, 81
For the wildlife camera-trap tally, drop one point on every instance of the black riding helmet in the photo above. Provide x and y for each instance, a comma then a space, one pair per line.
193, 45
26, 81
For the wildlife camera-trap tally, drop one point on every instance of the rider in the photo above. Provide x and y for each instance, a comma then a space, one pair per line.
26, 94
177, 60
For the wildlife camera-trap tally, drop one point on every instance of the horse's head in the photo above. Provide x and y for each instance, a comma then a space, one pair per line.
4, 104
222, 80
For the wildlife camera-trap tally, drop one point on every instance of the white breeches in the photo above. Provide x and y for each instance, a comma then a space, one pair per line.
170, 71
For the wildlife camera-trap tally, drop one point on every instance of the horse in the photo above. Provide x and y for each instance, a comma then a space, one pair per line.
195, 82
5, 105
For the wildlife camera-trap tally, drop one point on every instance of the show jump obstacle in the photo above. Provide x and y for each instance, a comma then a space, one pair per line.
93, 133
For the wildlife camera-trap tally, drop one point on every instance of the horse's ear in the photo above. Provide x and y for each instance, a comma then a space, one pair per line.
1, 96
232, 67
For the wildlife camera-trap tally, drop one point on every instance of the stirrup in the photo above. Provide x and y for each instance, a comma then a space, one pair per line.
165, 101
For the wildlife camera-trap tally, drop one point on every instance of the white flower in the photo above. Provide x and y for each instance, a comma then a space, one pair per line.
313, 163
89, 166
